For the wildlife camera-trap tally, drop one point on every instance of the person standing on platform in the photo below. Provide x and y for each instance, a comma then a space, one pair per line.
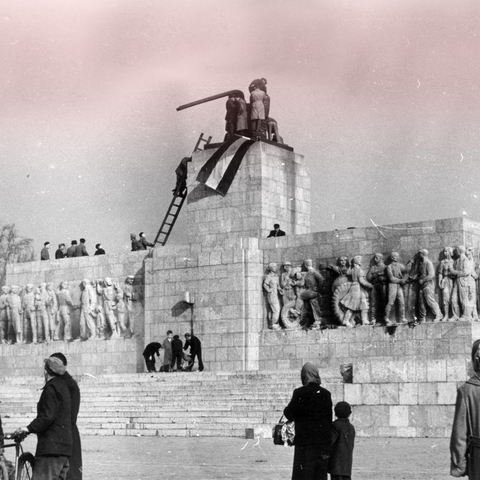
177, 353
167, 351
195, 351
149, 353
61, 252
44, 254
99, 250
276, 232
75, 470
81, 250
144, 242
465, 438
311, 410
53, 425
72, 249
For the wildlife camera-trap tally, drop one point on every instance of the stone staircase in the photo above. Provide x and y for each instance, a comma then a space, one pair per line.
169, 404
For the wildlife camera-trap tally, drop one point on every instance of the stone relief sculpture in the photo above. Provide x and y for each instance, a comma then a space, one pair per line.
108, 294
4, 322
52, 310
445, 281
377, 276
131, 297
14, 303
287, 283
41, 313
29, 316
352, 297
312, 282
462, 295
425, 279
88, 311
271, 285
473, 282
64, 323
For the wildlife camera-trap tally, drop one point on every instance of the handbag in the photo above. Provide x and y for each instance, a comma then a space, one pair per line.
283, 433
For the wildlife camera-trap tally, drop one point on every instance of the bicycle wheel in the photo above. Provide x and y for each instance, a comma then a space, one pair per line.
3, 471
26, 462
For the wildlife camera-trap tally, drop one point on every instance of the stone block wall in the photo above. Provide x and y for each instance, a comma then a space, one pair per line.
271, 186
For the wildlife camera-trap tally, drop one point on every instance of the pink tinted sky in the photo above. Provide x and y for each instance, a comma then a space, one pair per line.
381, 98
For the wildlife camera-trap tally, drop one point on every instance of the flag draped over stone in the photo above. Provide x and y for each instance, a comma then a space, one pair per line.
220, 169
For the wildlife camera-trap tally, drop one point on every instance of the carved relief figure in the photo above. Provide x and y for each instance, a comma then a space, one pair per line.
64, 325
41, 313
356, 297
4, 322
340, 271
29, 317
426, 296
88, 305
462, 298
312, 282
108, 304
287, 283
395, 275
473, 282
15, 312
445, 281
377, 276
130, 296
120, 309
52, 310
272, 286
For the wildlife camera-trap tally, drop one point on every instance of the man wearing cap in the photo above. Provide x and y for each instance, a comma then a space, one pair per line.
53, 425
276, 232
75, 470
195, 351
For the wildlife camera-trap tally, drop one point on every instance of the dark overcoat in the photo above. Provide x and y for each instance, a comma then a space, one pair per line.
343, 439
465, 439
53, 424
75, 470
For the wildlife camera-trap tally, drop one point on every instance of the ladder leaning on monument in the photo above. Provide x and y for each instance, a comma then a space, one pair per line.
176, 204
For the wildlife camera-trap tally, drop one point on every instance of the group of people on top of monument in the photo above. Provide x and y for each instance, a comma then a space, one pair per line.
74, 250
40, 314
251, 120
389, 293
141, 244
175, 357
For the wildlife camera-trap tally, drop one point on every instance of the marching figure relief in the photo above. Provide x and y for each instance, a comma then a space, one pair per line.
390, 293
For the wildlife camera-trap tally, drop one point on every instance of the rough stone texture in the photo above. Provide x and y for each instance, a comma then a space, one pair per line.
271, 186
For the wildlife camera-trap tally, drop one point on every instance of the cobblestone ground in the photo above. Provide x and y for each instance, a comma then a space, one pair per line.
143, 458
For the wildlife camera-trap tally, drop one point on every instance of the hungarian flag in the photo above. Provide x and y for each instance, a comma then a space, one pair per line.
220, 169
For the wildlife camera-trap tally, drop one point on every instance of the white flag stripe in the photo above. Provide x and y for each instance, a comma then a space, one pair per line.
220, 168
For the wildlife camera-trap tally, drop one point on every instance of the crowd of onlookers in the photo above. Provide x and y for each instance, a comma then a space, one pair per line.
80, 250
74, 250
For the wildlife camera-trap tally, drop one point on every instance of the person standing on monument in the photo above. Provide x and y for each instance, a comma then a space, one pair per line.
52, 425
276, 232
230, 117
311, 410
99, 250
72, 249
167, 351
257, 101
395, 274
44, 254
144, 242
465, 438
61, 251
81, 250
195, 345
75, 470
242, 116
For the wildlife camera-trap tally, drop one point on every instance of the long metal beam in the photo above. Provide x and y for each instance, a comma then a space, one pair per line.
209, 99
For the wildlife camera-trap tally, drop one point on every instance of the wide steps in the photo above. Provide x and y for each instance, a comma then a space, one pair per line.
172, 404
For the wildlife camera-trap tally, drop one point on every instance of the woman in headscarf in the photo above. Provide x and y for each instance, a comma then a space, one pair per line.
311, 409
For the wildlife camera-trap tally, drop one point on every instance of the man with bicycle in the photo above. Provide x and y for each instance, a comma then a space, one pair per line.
52, 425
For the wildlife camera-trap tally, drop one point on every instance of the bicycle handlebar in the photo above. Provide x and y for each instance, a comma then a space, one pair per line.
17, 437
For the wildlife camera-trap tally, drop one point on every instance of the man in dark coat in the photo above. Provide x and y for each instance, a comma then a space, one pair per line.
177, 353
465, 439
81, 250
311, 409
276, 232
72, 249
149, 353
167, 352
75, 470
195, 345
60, 252
44, 254
144, 243
99, 250
53, 425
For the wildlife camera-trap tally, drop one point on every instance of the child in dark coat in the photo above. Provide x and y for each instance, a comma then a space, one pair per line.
343, 438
